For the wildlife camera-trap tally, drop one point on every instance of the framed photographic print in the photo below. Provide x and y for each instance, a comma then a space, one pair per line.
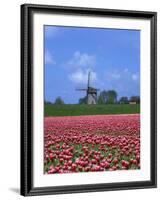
88, 99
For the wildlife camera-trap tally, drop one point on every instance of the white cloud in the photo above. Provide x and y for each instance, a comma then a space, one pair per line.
49, 59
51, 31
113, 75
81, 60
79, 66
122, 74
134, 77
81, 76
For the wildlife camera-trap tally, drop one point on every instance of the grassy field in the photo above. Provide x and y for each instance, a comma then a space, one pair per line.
76, 110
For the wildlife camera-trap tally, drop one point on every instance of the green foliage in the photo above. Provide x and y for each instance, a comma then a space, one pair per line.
47, 102
100, 100
58, 101
103, 97
107, 97
83, 100
112, 96
135, 99
124, 100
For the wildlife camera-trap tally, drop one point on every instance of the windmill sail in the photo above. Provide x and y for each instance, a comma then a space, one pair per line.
89, 73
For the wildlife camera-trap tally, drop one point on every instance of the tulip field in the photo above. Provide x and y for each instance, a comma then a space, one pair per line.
91, 143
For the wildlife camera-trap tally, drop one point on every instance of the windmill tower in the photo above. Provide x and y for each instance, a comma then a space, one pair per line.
90, 92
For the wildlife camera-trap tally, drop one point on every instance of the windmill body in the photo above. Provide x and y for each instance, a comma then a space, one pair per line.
91, 92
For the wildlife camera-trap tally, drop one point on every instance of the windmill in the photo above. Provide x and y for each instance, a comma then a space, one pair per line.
91, 92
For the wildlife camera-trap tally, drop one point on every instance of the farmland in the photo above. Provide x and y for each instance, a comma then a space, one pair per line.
92, 143
76, 110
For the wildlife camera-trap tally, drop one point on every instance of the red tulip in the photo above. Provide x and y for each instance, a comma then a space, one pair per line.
91, 143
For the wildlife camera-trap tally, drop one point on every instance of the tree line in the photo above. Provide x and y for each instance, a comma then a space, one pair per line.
111, 97
105, 97
58, 101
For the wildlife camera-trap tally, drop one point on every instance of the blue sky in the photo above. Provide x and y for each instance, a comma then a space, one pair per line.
112, 56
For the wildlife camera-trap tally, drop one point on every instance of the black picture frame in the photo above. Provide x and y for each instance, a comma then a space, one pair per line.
27, 11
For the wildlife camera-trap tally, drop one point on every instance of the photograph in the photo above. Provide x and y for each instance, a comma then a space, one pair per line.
91, 99
88, 99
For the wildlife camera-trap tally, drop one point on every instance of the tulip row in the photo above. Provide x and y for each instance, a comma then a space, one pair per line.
91, 143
